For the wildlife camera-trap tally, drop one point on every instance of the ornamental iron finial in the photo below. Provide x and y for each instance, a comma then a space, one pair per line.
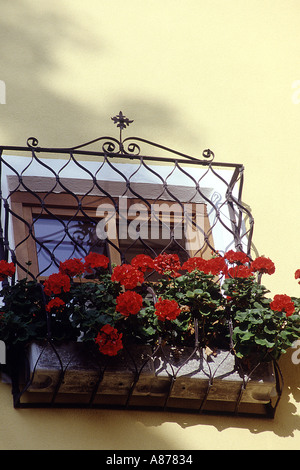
121, 120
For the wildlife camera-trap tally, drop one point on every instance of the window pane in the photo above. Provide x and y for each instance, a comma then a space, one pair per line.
63, 239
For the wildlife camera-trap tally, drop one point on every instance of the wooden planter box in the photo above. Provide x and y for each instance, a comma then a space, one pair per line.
73, 374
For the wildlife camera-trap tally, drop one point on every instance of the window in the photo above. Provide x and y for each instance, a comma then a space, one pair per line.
49, 228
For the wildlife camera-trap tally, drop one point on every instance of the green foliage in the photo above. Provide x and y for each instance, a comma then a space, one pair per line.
234, 314
257, 329
200, 298
22, 314
93, 305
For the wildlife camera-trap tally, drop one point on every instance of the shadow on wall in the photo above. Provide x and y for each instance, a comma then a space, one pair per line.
164, 122
28, 39
285, 423
32, 39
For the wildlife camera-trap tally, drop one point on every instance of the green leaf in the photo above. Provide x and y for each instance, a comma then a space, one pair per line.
237, 330
246, 336
241, 316
264, 342
242, 334
258, 305
190, 294
180, 295
198, 291
269, 332
149, 331
239, 354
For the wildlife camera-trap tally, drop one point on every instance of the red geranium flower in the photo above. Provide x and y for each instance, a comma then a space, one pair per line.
56, 283
95, 260
239, 271
216, 266
55, 304
263, 265
142, 262
6, 269
283, 303
195, 263
167, 264
236, 257
127, 275
297, 275
109, 340
167, 309
72, 267
129, 303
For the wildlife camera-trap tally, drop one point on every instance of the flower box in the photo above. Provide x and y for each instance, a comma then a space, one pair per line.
187, 379
215, 303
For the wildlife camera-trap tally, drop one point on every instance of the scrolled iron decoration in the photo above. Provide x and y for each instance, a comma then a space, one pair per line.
125, 147
208, 154
132, 148
111, 147
32, 142
121, 121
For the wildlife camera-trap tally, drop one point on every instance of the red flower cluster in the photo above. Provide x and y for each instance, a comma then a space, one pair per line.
297, 275
109, 340
56, 283
167, 264
216, 266
95, 260
213, 266
142, 262
75, 267
263, 265
129, 303
127, 275
55, 304
195, 263
166, 309
240, 271
236, 257
72, 267
283, 303
6, 269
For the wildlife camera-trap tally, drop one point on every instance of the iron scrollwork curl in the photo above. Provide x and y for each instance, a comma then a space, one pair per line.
207, 153
32, 142
111, 147
132, 148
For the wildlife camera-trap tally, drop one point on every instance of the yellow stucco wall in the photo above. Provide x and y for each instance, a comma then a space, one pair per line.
193, 74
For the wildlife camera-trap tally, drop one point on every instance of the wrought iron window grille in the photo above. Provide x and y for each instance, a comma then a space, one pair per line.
48, 203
